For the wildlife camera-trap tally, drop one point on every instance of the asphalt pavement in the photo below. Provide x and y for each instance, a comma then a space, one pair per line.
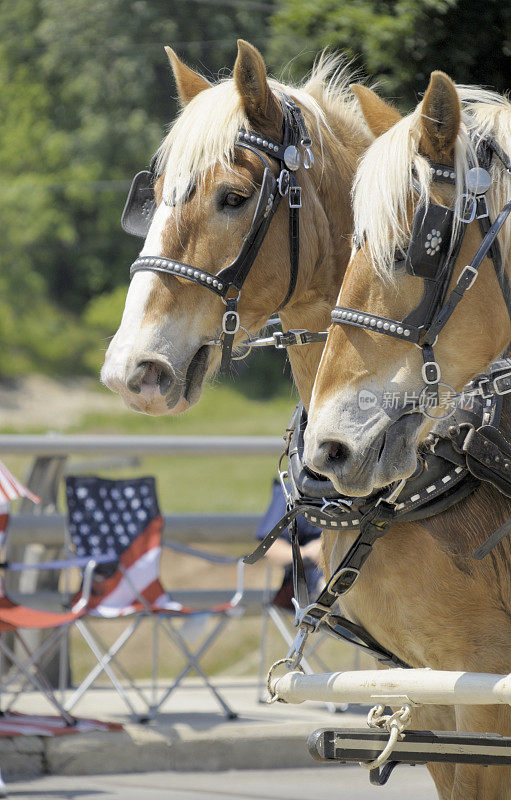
315, 783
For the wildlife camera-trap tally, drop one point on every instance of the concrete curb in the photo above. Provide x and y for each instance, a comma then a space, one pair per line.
193, 737
135, 750
22, 756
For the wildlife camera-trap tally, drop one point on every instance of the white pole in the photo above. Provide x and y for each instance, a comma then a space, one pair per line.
395, 687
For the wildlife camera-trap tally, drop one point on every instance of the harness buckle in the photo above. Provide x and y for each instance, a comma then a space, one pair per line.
295, 197
507, 384
465, 282
431, 372
283, 182
300, 335
278, 337
483, 387
342, 581
481, 203
295, 336
231, 322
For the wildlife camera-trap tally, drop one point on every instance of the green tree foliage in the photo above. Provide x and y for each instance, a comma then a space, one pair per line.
400, 41
86, 97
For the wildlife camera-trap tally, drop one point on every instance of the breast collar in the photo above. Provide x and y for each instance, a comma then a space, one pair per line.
290, 154
431, 256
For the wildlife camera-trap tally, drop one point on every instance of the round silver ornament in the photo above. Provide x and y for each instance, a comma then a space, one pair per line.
292, 158
478, 180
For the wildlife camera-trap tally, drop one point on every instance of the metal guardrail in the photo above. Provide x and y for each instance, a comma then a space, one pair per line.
49, 529
62, 445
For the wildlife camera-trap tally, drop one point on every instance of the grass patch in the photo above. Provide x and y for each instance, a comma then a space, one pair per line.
221, 411
190, 483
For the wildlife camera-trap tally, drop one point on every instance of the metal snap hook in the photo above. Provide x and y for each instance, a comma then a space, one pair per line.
308, 158
246, 344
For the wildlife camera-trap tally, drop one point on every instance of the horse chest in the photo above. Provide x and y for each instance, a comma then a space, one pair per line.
398, 599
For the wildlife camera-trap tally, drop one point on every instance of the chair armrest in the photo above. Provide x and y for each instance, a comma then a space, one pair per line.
78, 561
240, 583
88, 574
214, 558
87, 562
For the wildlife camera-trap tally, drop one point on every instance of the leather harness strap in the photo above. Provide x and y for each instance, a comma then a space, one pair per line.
492, 541
467, 278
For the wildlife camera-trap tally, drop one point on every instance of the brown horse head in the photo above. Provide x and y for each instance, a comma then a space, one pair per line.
366, 414
206, 196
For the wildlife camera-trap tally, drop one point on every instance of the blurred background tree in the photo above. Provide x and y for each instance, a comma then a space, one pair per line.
400, 42
87, 95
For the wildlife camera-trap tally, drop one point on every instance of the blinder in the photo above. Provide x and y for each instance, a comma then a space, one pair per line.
430, 240
140, 205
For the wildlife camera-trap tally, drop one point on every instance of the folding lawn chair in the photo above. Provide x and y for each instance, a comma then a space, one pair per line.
14, 617
121, 520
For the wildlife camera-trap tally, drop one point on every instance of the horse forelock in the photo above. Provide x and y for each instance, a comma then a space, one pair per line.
393, 170
204, 133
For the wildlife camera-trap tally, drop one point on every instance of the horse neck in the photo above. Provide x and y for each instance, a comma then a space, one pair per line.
317, 294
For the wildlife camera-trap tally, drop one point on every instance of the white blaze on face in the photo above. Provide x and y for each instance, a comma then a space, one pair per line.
139, 291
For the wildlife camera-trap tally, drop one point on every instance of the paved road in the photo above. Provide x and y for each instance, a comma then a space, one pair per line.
316, 783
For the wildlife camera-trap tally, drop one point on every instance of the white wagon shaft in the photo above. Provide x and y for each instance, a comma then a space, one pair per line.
388, 743
395, 687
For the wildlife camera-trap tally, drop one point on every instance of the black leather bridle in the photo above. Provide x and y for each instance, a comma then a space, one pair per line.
290, 154
432, 256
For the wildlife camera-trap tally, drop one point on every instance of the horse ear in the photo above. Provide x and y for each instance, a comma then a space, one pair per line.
379, 115
440, 117
189, 83
261, 106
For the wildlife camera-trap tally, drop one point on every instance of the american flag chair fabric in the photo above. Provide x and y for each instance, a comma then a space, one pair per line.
120, 520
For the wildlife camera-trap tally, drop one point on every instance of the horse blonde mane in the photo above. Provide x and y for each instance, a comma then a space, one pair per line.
204, 132
392, 170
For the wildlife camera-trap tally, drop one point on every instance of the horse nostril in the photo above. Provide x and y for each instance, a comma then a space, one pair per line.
151, 374
165, 380
134, 382
328, 456
337, 451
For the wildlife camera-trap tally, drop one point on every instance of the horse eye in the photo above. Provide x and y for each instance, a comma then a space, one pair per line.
233, 200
